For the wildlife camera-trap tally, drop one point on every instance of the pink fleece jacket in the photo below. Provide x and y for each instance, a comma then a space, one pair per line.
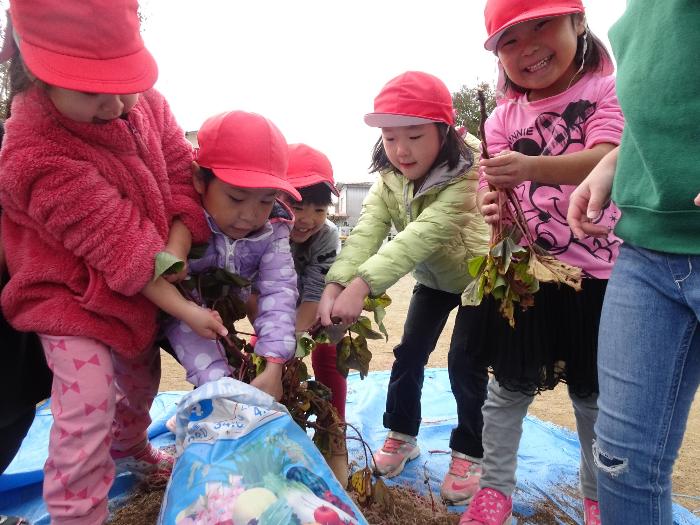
86, 207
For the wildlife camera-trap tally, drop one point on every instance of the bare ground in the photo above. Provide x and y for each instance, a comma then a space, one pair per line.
553, 406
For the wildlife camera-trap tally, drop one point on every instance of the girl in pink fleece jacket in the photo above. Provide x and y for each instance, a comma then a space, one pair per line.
94, 184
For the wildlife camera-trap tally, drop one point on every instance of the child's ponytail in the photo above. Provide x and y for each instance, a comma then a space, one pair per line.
591, 54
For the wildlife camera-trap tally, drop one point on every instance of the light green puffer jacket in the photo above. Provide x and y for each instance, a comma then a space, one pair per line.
440, 228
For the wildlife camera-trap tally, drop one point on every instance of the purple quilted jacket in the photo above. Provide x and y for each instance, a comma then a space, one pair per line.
265, 259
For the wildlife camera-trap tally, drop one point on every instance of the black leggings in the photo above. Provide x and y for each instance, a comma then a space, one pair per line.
427, 315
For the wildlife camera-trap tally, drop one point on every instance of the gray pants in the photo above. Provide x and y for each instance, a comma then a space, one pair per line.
504, 412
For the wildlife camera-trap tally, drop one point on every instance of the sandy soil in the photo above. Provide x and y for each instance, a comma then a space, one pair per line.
553, 406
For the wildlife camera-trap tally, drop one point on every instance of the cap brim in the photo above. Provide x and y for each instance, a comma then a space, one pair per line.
255, 179
392, 120
310, 180
133, 73
543, 12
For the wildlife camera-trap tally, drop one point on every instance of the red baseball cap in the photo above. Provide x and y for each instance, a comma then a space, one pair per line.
308, 166
83, 45
245, 150
502, 14
411, 99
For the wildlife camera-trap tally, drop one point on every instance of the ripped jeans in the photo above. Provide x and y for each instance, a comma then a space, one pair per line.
648, 372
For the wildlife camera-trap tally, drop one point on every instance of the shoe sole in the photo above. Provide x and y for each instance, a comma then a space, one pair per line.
401, 465
510, 520
457, 503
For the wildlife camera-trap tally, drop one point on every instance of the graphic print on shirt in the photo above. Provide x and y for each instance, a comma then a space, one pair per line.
545, 205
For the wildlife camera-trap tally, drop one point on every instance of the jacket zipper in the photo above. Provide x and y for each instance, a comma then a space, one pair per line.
140, 145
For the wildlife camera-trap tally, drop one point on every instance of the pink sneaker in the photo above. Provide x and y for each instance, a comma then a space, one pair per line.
461, 481
151, 464
488, 507
591, 512
398, 449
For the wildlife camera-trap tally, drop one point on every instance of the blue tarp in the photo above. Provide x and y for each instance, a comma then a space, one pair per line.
547, 460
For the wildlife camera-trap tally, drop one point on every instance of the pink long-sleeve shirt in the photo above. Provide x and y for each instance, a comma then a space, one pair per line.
584, 115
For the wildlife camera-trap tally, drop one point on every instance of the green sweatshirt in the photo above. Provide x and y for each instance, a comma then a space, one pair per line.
658, 85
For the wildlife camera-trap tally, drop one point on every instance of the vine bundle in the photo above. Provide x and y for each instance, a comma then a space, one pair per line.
515, 264
215, 288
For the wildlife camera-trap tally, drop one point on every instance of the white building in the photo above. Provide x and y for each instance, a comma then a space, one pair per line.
349, 205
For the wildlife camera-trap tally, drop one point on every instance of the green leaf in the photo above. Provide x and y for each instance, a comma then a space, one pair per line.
514, 247
363, 327
167, 263
259, 363
476, 264
497, 250
321, 338
373, 302
343, 354
379, 314
305, 345
359, 357
473, 294
500, 282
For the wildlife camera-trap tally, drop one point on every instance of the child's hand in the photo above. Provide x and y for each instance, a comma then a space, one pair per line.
270, 380
588, 199
204, 322
348, 306
489, 207
325, 305
508, 169
697, 200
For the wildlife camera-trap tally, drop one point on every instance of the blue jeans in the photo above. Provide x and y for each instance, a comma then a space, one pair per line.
649, 371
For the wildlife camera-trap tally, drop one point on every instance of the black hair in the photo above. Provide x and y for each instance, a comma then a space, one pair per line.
453, 149
594, 60
207, 175
317, 194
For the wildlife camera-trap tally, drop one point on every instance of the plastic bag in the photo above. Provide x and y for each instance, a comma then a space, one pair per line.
242, 460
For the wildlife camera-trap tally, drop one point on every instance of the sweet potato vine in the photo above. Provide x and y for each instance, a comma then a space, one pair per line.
515, 265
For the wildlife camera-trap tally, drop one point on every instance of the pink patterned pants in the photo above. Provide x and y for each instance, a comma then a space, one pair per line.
100, 403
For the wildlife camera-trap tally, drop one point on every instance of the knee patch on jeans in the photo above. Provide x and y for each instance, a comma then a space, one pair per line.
608, 463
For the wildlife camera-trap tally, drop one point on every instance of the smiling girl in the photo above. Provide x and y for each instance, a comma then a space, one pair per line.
558, 117
426, 188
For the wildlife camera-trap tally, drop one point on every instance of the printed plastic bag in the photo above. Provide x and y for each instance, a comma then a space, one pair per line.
242, 460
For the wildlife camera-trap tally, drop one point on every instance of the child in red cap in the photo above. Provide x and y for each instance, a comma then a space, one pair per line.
94, 183
558, 118
240, 170
427, 189
314, 241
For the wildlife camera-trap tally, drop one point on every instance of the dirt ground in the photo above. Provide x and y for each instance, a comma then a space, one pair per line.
552, 406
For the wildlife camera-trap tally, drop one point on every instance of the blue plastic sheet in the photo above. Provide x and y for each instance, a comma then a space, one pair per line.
547, 460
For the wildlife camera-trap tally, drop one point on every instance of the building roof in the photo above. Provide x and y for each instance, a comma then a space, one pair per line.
341, 185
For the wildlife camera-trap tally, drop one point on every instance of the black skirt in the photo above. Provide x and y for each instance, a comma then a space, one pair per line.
554, 340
